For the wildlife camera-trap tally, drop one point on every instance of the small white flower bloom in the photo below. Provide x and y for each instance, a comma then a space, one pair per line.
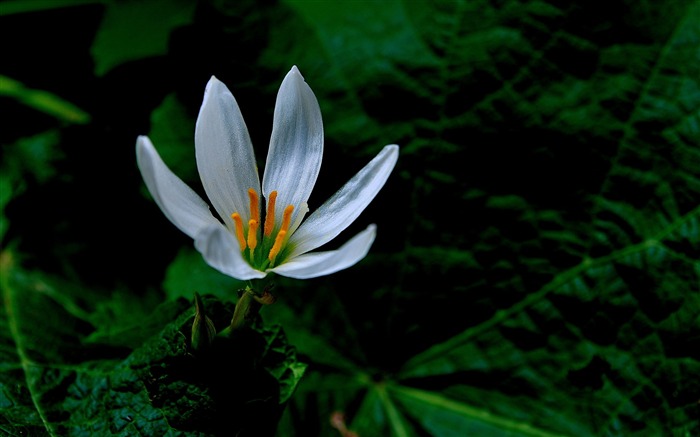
248, 244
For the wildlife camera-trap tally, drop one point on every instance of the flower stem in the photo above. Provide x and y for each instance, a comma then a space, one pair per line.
247, 307
245, 311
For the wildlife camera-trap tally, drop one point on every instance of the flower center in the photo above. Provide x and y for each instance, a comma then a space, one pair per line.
262, 249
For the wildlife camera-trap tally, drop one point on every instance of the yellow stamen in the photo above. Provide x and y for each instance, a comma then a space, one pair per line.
239, 229
286, 218
252, 234
279, 240
270, 214
254, 205
277, 246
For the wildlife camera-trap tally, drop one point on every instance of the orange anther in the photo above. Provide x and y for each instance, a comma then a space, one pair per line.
287, 217
270, 214
238, 222
254, 205
277, 246
252, 234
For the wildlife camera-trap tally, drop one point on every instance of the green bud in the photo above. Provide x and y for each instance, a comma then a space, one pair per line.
203, 329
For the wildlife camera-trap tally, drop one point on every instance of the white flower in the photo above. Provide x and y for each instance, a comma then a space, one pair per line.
249, 244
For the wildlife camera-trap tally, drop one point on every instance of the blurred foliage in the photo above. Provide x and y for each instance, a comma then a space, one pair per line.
536, 270
42, 101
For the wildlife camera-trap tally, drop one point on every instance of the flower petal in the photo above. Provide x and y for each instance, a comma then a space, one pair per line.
221, 251
225, 157
324, 263
338, 212
180, 204
296, 144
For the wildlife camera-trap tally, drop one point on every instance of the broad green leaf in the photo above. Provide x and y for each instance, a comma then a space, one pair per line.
172, 132
341, 57
446, 417
545, 221
188, 273
137, 29
54, 383
125, 320
603, 331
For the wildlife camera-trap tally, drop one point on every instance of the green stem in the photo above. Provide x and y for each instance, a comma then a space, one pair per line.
246, 308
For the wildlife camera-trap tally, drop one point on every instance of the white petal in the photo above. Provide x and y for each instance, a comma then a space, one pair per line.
338, 212
296, 145
180, 204
317, 264
225, 157
221, 251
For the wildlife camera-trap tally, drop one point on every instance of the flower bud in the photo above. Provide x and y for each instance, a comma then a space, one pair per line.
203, 329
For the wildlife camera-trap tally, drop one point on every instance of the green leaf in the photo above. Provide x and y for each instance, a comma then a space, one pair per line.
131, 31
28, 159
322, 30
43, 101
445, 417
172, 131
304, 332
188, 273
284, 368
10, 7
54, 383
126, 320
544, 274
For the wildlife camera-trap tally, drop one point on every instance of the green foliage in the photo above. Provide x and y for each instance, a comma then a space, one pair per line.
572, 261
54, 382
10, 7
173, 132
536, 268
137, 29
27, 160
188, 273
42, 101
